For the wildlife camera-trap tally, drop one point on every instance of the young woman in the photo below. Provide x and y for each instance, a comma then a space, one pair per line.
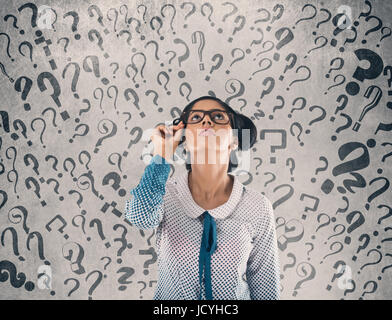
216, 238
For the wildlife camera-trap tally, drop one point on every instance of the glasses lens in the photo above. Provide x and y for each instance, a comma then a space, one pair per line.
219, 117
195, 116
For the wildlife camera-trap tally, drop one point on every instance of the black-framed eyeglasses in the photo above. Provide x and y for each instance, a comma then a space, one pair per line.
216, 115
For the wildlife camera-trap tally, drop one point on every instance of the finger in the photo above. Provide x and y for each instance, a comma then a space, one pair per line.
179, 127
174, 127
158, 128
178, 134
167, 131
155, 132
161, 132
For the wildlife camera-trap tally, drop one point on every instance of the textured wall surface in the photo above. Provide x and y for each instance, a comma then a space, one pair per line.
81, 81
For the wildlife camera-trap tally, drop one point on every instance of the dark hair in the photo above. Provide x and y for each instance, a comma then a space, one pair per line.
238, 121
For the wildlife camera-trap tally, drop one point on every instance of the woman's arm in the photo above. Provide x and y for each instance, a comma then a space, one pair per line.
263, 271
145, 208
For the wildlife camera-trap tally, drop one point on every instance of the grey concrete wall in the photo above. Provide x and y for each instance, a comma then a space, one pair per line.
78, 91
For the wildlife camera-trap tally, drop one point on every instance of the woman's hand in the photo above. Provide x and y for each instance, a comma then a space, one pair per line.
166, 139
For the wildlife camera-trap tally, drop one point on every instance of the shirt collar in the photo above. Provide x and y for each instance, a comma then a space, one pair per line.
193, 210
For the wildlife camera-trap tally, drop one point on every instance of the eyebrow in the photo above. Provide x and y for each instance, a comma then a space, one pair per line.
208, 110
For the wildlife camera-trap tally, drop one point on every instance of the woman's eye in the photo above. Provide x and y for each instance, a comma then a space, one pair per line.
219, 115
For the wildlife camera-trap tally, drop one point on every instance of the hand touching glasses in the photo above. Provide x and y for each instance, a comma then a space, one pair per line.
166, 139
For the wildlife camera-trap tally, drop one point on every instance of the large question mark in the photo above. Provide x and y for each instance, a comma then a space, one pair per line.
355, 164
374, 70
16, 279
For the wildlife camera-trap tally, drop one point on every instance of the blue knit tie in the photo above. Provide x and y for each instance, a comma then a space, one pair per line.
207, 248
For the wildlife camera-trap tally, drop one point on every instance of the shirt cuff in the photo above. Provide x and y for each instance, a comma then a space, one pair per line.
157, 159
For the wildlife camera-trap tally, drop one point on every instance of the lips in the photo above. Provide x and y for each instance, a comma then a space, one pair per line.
207, 132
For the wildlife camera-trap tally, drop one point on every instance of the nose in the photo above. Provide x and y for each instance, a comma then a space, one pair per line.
206, 119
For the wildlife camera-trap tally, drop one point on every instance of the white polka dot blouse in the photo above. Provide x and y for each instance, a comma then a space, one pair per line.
245, 263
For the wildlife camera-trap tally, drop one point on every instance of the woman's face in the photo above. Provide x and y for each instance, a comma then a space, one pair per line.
209, 148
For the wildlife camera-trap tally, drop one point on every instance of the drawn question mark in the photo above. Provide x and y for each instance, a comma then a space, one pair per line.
349, 166
40, 245
340, 246
374, 283
312, 274
95, 283
53, 111
319, 118
82, 134
75, 22
14, 235
16, 279
191, 11
307, 18
30, 47
8, 45
356, 224
74, 223
320, 169
363, 246
201, 47
123, 240
115, 69
43, 129
374, 70
144, 287
378, 192
291, 162
300, 79
109, 261
24, 213
76, 263
311, 248
372, 263
76, 287
152, 252
128, 272
28, 83
98, 223
259, 164
75, 77
66, 43
14, 24
102, 128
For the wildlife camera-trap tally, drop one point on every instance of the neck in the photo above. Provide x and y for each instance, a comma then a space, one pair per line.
209, 181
